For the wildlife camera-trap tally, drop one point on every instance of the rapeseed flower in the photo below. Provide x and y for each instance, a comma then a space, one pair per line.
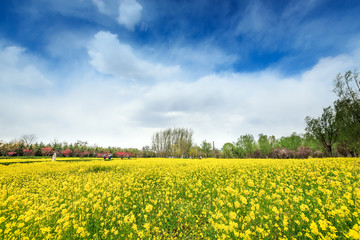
176, 198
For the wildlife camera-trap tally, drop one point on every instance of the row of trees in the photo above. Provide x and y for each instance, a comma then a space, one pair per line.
177, 142
293, 146
166, 144
27, 146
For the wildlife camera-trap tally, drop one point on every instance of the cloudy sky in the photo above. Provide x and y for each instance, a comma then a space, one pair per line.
113, 72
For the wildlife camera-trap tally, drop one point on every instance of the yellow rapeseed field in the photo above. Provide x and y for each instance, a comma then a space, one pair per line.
181, 199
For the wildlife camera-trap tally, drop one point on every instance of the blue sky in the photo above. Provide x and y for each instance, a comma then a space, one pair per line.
113, 72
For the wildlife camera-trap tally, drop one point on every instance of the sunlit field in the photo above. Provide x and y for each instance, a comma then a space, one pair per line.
181, 199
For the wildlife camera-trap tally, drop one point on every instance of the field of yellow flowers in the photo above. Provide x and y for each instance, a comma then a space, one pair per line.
181, 199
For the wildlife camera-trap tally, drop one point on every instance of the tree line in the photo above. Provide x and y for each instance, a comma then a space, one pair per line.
27, 146
335, 133
176, 142
293, 146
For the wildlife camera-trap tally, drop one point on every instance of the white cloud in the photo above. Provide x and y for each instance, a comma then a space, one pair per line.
109, 56
18, 69
218, 107
129, 13
221, 107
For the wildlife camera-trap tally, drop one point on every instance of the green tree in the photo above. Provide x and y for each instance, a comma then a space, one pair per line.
146, 152
323, 129
245, 145
348, 129
264, 144
195, 151
228, 150
310, 142
292, 142
205, 148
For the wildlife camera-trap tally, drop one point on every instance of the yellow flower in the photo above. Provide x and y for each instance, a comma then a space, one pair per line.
252, 215
243, 200
352, 234
275, 210
147, 226
148, 208
81, 231
251, 183
134, 227
304, 218
21, 224
303, 207
232, 215
314, 229
323, 225
45, 230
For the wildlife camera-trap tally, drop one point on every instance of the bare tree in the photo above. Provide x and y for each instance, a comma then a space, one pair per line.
172, 142
28, 139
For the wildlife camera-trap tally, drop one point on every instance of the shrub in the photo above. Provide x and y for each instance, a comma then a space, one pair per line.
303, 152
47, 151
66, 152
11, 154
28, 152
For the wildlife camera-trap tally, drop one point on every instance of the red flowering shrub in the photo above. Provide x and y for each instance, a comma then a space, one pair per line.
28, 152
120, 154
124, 154
47, 151
66, 152
85, 153
11, 154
